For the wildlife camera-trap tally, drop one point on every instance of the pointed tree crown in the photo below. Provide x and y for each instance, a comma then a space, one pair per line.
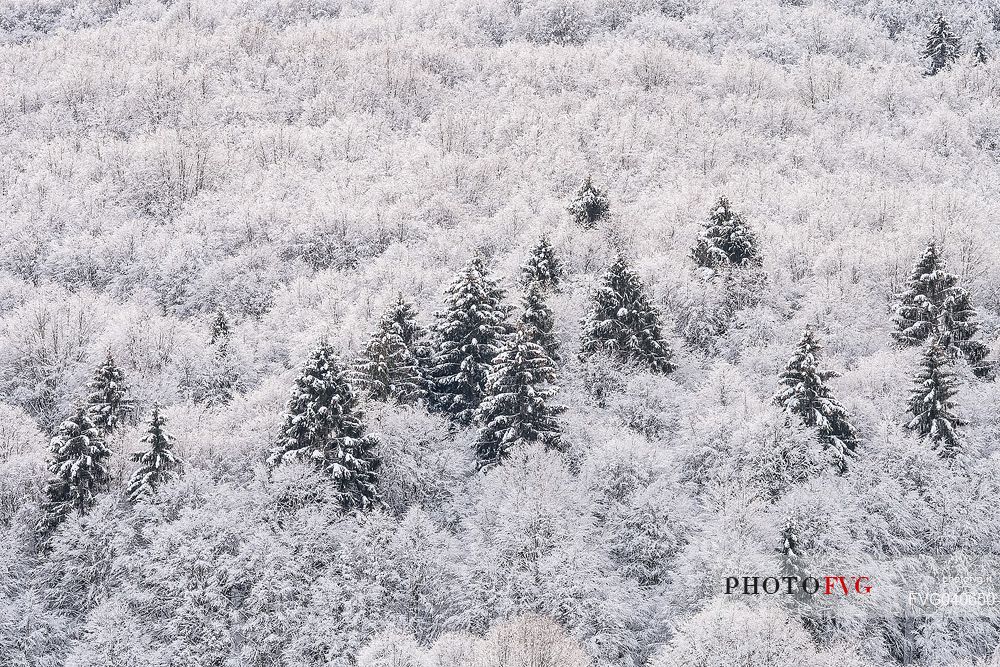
469, 333
589, 206
934, 306
220, 328
78, 464
623, 323
726, 240
324, 425
388, 369
804, 393
942, 48
980, 54
516, 410
542, 267
107, 400
157, 462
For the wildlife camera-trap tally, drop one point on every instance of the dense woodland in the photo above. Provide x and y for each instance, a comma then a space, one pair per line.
482, 333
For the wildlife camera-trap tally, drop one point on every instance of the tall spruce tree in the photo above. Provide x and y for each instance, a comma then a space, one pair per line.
790, 551
403, 316
980, 54
589, 206
469, 333
931, 402
623, 323
934, 306
516, 410
107, 401
325, 425
157, 462
942, 48
538, 321
542, 267
805, 394
220, 328
79, 467
726, 240
388, 370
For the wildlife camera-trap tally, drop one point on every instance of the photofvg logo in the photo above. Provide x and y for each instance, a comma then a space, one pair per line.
958, 585
794, 585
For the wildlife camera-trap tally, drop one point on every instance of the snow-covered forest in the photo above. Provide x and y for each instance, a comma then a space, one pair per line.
482, 333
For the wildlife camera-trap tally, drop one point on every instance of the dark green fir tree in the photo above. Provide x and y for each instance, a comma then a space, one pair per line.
516, 410
931, 405
403, 317
542, 267
980, 54
387, 370
805, 393
624, 324
78, 464
469, 333
538, 321
107, 402
157, 462
220, 328
324, 425
726, 240
942, 48
935, 307
589, 206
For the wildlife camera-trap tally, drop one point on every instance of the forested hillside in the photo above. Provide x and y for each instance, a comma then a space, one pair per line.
468, 333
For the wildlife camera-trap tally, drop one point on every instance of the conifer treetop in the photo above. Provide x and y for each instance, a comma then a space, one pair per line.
469, 333
516, 410
220, 328
804, 393
79, 466
542, 266
933, 305
589, 206
324, 425
388, 369
157, 462
942, 48
107, 400
726, 240
623, 323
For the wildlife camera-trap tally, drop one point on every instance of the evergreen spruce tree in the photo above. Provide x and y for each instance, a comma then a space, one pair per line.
622, 322
589, 205
469, 333
388, 370
157, 464
324, 425
542, 267
403, 317
806, 395
726, 240
539, 322
516, 411
791, 553
107, 401
220, 328
980, 55
931, 402
934, 306
224, 380
942, 46
79, 467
